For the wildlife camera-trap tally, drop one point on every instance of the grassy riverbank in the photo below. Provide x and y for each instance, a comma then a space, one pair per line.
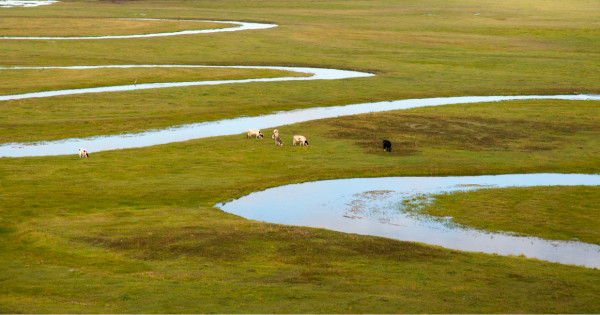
559, 213
135, 231
434, 48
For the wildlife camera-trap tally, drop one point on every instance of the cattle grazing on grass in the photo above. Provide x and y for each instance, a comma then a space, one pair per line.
278, 141
255, 132
83, 153
299, 139
275, 134
387, 146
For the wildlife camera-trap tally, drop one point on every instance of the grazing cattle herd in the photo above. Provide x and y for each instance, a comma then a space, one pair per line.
301, 140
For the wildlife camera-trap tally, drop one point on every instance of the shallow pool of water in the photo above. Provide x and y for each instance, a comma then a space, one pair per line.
372, 206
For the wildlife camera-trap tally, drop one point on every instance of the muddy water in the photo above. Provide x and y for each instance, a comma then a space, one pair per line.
373, 206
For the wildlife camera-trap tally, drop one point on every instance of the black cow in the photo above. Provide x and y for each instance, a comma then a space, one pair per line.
387, 146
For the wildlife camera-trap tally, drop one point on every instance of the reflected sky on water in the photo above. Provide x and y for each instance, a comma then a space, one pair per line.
373, 206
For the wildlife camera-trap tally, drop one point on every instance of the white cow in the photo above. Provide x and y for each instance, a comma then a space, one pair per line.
275, 134
255, 132
300, 139
83, 153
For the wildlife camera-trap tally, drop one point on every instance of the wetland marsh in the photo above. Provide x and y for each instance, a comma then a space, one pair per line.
136, 231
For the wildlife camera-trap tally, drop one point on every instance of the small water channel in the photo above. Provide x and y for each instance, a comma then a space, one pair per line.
240, 125
373, 206
239, 26
24, 3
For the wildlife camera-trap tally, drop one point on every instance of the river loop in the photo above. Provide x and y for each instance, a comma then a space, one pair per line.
371, 206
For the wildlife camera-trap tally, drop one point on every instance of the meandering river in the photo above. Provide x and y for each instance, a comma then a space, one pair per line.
24, 3
239, 26
370, 206
373, 206
239, 125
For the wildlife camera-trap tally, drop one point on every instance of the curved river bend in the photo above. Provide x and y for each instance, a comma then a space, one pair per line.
240, 26
24, 3
240, 125
365, 206
372, 206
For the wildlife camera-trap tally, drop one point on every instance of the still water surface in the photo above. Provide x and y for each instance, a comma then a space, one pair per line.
366, 206
23, 3
240, 125
373, 206
239, 26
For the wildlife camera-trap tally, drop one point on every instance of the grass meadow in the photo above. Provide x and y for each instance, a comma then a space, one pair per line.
135, 231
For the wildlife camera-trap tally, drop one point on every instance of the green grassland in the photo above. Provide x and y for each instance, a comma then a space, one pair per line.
95, 26
428, 49
135, 231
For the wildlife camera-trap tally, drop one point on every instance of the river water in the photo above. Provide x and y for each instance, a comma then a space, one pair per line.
239, 26
23, 3
373, 206
241, 124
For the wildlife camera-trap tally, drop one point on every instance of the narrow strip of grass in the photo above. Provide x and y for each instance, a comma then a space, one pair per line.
558, 213
18, 81
83, 27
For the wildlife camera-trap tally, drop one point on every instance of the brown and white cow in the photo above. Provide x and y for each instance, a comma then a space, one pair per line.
278, 141
255, 132
299, 139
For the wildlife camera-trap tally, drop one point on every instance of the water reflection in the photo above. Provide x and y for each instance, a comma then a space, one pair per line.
312, 74
239, 125
371, 206
24, 3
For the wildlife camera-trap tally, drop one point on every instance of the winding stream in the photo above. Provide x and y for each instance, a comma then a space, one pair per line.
373, 206
315, 74
240, 26
370, 206
239, 125
24, 3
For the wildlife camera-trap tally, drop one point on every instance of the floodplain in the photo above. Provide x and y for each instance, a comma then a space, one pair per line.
136, 230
